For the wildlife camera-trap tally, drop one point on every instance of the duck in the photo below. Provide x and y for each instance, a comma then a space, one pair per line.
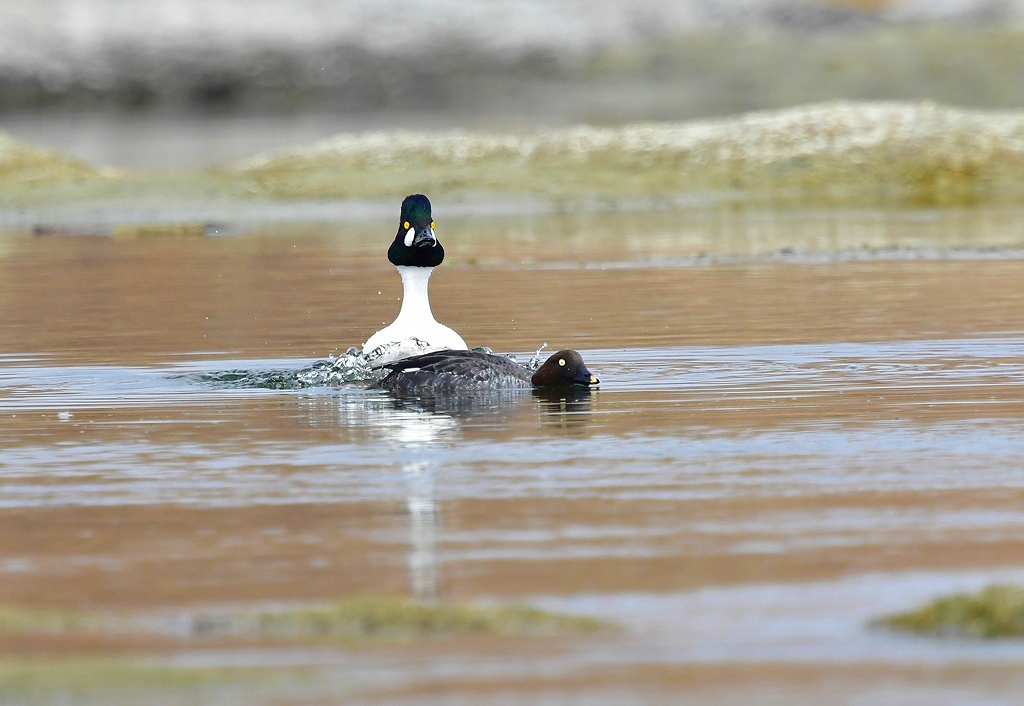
453, 372
415, 252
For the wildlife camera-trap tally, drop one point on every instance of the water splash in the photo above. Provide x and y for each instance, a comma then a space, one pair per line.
536, 360
262, 379
531, 365
351, 367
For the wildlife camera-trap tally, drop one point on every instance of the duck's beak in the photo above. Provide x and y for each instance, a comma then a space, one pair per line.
424, 237
585, 377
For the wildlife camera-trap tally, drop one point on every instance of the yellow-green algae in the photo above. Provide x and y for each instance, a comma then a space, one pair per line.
835, 153
34, 621
133, 680
397, 618
29, 174
996, 611
22, 163
349, 621
100, 673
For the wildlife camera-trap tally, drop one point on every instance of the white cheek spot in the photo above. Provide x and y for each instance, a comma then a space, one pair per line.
433, 236
409, 235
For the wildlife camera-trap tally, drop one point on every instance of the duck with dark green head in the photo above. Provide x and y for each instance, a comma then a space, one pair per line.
415, 251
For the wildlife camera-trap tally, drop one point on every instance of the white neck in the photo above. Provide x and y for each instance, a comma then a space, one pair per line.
415, 301
415, 330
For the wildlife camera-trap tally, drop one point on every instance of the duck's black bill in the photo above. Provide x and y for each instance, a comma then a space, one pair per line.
585, 378
424, 238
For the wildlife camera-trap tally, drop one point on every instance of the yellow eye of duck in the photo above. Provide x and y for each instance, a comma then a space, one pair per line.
561, 361
433, 225
406, 225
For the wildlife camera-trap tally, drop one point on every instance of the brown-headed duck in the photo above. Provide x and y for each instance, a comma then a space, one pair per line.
458, 371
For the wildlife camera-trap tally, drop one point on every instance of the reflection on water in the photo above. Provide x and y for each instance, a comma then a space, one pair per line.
775, 453
589, 281
424, 526
413, 434
421, 429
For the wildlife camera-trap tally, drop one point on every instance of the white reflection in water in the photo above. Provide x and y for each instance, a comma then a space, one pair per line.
424, 529
349, 444
885, 456
415, 438
411, 440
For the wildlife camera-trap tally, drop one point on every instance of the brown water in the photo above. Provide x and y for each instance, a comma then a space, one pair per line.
778, 452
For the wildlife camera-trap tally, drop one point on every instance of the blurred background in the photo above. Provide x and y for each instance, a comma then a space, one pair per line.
185, 83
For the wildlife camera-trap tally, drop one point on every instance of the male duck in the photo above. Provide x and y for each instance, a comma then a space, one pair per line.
415, 252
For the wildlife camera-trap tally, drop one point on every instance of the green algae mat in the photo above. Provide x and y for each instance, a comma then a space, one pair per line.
994, 612
834, 154
352, 621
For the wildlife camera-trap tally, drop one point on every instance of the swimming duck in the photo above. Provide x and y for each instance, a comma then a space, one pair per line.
415, 252
460, 371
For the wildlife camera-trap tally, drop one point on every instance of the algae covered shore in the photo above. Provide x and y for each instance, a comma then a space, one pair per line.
836, 154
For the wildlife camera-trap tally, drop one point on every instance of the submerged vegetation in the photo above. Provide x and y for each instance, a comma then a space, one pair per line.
103, 674
836, 154
90, 675
28, 621
125, 680
996, 611
348, 621
391, 619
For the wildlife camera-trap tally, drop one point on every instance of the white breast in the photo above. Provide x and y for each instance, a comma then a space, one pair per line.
415, 330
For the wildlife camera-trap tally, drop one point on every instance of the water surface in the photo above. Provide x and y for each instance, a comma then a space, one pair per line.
779, 451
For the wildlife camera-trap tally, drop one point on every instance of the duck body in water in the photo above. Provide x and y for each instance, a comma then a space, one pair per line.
453, 372
415, 251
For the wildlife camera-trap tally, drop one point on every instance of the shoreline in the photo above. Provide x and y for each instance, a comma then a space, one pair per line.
843, 154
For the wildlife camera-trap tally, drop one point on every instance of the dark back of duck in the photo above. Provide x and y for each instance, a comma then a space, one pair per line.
453, 372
